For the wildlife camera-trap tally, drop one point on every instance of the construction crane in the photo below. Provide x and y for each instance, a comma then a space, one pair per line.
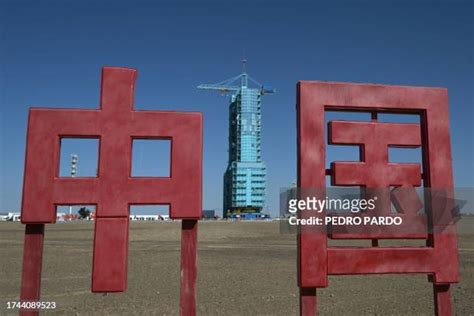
230, 86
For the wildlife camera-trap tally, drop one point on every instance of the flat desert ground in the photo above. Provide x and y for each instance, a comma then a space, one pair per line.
244, 268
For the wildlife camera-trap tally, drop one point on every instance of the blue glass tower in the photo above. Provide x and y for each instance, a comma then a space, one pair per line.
245, 176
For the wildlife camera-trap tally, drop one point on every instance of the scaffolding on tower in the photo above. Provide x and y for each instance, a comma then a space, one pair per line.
245, 175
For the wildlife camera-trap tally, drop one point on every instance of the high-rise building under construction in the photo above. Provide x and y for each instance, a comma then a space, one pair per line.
245, 176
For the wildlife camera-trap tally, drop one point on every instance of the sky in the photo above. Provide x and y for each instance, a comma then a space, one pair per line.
52, 53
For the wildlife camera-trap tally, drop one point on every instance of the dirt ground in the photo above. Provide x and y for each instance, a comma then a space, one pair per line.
245, 268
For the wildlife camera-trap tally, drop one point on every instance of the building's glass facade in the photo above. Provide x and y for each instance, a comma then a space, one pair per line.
245, 177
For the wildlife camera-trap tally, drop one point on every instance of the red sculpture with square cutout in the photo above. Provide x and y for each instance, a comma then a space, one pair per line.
115, 124
317, 260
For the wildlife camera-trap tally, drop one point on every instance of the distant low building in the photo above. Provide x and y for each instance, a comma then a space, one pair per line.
10, 217
208, 214
139, 217
164, 217
250, 216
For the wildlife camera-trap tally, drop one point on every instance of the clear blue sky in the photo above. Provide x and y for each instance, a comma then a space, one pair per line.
52, 52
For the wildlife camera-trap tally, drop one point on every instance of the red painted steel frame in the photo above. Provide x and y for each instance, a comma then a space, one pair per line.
115, 124
316, 260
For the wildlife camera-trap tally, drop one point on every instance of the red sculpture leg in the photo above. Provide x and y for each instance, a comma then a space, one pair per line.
189, 231
32, 259
308, 301
109, 269
442, 299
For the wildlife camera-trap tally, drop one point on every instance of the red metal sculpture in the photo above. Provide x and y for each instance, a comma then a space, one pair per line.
316, 260
115, 124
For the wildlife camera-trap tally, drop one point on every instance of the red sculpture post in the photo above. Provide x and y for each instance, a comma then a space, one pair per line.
116, 124
316, 260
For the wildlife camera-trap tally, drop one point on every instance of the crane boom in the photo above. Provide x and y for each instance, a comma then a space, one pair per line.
219, 87
236, 83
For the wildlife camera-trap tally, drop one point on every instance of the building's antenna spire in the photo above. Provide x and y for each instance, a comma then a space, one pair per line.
244, 81
244, 65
